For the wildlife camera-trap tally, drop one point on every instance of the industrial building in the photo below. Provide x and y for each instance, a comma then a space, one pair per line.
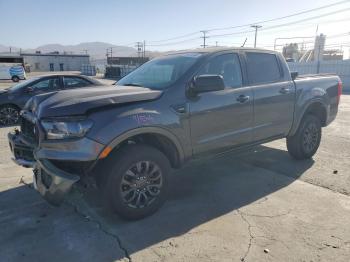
127, 61
318, 53
53, 61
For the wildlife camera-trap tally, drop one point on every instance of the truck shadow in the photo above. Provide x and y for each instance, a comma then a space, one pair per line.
206, 190
200, 192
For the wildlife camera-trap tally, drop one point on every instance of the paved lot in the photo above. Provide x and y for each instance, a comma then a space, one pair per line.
225, 209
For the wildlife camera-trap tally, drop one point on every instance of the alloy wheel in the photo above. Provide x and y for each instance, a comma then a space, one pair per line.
141, 184
9, 116
310, 137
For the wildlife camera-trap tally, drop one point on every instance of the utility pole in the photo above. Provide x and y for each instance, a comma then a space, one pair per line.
216, 43
139, 48
10, 49
204, 38
144, 49
256, 32
109, 51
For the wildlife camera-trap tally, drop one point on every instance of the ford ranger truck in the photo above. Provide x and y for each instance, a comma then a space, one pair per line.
170, 110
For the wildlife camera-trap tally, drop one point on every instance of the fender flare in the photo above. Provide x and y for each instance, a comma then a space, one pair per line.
150, 130
299, 116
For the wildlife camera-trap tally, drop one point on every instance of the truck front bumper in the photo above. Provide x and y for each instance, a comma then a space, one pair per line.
22, 153
52, 182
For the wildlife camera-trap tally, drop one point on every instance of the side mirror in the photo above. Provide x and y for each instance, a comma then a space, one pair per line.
207, 83
29, 89
294, 75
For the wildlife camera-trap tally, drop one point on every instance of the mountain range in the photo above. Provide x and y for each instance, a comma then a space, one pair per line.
96, 50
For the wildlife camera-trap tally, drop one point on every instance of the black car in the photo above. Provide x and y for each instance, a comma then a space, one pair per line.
13, 99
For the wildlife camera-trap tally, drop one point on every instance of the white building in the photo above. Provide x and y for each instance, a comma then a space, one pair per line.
54, 61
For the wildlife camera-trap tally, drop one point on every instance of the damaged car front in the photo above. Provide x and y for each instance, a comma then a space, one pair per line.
54, 134
56, 149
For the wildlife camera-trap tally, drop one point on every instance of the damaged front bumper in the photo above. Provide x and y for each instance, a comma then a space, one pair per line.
50, 180
52, 183
22, 152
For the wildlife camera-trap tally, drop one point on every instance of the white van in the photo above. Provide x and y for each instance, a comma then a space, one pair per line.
12, 72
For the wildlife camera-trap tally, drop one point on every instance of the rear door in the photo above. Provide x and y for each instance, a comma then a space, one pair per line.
273, 95
71, 82
222, 119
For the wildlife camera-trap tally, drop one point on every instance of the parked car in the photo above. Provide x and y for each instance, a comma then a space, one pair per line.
13, 99
12, 72
168, 111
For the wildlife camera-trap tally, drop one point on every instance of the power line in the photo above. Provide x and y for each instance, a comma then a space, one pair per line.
283, 25
258, 22
175, 43
282, 17
175, 38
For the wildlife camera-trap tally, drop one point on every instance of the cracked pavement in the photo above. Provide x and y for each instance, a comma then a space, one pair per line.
230, 208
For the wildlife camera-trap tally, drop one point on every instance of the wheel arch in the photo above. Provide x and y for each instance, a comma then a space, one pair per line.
315, 107
11, 104
160, 138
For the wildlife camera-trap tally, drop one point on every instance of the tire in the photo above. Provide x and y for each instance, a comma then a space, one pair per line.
15, 79
134, 174
9, 115
305, 142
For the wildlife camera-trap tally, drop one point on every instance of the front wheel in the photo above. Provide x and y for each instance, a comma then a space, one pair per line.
9, 115
136, 183
305, 142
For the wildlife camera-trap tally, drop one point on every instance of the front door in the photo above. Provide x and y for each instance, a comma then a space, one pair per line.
222, 119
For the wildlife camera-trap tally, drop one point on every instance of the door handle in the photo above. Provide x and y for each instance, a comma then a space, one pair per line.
284, 90
242, 99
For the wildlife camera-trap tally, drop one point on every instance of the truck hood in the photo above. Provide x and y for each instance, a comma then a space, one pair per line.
80, 101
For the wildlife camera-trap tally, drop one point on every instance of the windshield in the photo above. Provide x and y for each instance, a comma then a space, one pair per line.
160, 73
23, 84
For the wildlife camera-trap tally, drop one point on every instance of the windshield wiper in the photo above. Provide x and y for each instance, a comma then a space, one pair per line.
132, 84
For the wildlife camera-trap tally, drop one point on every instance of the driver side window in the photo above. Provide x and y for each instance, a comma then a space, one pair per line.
227, 66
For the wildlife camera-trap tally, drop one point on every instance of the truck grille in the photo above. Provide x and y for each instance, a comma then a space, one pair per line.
28, 130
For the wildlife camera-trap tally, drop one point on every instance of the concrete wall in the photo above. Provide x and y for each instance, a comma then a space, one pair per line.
339, 67
42, 62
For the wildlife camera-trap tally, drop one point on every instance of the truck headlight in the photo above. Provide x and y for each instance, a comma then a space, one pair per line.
61, 129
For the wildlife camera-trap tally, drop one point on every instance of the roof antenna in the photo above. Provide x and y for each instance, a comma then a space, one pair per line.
244, 42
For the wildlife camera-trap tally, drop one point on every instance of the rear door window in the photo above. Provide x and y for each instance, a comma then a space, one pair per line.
47, 84
75, 82
262, 68
227, 66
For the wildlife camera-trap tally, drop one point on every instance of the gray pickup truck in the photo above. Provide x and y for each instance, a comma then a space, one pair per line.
170, 110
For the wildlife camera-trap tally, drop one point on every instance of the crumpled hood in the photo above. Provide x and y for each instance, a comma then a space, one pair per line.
79, 101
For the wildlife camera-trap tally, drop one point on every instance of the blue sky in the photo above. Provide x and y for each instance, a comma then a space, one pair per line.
29, 23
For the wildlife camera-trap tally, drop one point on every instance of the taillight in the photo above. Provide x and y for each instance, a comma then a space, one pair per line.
340, 87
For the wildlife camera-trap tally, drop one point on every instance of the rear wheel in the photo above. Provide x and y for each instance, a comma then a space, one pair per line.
305, 142
15, 78
9, 115
136, 182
